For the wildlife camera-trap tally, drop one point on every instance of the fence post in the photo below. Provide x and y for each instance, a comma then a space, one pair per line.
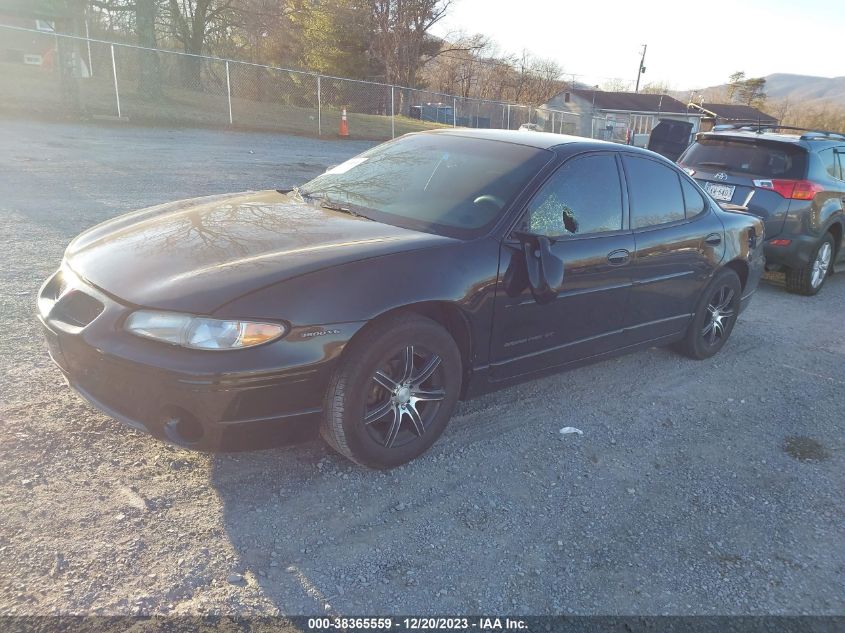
503, 116
454, 112
114, 74
88, 42
392, 115
229, 93
319, 107
509, 116
553, 121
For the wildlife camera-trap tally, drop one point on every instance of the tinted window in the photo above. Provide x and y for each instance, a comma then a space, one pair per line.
693, 200
655, 192
841, 155
584, 196
432, 182
759, 159
829, 161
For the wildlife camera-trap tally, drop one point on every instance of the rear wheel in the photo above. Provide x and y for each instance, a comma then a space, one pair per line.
393, 393
809, 279
715, 316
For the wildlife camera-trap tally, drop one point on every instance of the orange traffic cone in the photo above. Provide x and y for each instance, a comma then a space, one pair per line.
344, 126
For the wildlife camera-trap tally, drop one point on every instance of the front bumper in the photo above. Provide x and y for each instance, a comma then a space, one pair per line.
200, 399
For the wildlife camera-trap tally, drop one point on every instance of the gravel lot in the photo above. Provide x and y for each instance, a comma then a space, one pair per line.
697, 487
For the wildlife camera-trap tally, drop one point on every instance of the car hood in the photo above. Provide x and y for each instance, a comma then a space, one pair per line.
196, 255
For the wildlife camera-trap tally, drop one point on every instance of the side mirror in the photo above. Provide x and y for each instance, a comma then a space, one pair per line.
545, 270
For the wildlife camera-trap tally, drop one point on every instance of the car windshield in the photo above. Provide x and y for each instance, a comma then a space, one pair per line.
754, 158
438, 183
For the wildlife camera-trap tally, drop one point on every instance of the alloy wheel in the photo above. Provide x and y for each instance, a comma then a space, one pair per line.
821, 265
405, 393
720, 313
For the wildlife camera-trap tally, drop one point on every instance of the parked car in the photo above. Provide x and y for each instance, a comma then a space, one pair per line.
368, 301
794, 180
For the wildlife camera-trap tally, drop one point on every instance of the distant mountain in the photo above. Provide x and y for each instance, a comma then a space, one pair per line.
803, 89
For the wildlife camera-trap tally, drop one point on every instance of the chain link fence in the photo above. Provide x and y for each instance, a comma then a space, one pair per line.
616, 128
61, 75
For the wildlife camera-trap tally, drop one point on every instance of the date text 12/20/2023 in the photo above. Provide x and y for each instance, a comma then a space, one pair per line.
417, 624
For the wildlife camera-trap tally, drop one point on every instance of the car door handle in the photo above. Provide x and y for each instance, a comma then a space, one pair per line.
714, 239
619, 257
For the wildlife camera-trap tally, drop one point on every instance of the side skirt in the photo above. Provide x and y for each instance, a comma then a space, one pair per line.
480, 381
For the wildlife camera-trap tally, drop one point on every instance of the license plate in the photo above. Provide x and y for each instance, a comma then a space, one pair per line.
720, 192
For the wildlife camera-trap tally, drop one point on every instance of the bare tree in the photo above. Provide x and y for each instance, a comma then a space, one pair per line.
143, 15
458, 66
401, 36
616, 85
191, 23
656, 88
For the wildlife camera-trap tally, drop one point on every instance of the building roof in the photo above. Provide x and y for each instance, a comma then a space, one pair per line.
734, 112
632, 101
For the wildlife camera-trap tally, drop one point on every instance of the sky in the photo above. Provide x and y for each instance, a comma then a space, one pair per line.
690, 44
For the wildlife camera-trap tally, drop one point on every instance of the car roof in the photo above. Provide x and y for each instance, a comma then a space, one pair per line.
778, 137
560, 143
541, 140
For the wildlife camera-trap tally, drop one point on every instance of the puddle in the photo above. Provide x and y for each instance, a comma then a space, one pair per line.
804, 449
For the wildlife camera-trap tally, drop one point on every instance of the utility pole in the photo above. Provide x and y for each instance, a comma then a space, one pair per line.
641, 69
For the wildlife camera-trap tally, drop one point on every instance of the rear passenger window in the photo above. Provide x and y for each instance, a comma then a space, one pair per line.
841, 156
655, 192
693, 200
829, 161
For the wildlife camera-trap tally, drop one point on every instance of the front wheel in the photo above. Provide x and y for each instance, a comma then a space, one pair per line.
393, 392
714, 317
809, 279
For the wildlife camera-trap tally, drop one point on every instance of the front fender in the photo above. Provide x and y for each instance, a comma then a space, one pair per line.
342, 299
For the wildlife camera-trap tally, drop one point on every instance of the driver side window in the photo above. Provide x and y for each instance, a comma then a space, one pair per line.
584, 196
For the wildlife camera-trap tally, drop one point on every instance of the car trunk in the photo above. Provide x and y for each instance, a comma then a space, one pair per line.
727, 167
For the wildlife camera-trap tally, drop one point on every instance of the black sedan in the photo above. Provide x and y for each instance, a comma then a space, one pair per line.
367, 302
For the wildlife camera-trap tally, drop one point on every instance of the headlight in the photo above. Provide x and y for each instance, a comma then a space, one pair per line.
200, 332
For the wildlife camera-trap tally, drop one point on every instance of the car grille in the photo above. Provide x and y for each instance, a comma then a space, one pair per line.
76, 308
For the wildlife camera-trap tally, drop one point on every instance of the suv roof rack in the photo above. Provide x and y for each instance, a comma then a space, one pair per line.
760, 128
822, 134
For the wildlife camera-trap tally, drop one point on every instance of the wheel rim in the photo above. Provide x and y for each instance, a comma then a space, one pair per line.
720, 313
404, 396
821, 265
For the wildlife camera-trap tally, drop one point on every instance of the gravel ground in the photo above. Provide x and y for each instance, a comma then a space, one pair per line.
697, 487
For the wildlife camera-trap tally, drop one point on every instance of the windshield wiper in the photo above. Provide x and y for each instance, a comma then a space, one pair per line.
331, 205
343, 208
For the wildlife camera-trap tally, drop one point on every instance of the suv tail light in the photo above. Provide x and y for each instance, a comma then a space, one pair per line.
792, 189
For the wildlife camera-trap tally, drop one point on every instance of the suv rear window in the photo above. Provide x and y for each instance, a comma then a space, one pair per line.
760, 159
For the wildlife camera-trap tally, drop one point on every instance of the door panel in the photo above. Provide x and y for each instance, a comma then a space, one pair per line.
670, 268
585, 319
581, 209
678, 240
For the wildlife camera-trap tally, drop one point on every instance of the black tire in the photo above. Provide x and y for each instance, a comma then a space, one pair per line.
377, 359
707, 334
809, 279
